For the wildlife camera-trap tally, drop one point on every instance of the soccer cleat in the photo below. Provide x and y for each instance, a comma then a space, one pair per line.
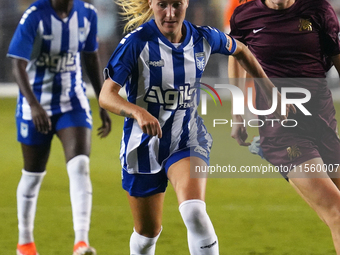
27, 249
81, 248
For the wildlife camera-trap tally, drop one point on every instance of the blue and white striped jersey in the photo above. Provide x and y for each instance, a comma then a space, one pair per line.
52, 48
164, 79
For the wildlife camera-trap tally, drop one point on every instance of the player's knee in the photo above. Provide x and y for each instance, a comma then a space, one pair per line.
140, 244
332, 216
195, 216
79, 164
201, 234
148, 232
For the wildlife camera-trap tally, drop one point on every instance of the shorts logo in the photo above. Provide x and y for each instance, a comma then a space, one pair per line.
23, 130
305, 25
293, 152
200, 60
201, 151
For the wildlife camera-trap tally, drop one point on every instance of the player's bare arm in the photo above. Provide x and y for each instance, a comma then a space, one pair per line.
237, 76
247, 60
110, 100
92, 66
39, 116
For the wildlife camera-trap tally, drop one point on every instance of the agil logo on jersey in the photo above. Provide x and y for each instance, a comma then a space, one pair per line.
171, 99
57, 63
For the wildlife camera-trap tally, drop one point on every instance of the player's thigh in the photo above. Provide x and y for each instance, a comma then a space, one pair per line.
316, 188
74, 131
287, 152
35, 146
35, 156
147, 213
187, 188
145, 193
76, 141
329, 148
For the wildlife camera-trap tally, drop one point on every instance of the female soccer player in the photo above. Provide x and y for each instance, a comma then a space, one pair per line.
46, 64
160, 64
298, 39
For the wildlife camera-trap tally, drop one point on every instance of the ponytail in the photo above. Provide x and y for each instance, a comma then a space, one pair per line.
135, 12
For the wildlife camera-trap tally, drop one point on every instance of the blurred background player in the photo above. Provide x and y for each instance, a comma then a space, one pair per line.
297, 39
46, 50
160, 64
228, 12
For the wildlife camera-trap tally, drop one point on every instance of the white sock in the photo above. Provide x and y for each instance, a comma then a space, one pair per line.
202, 239
27, 197
141, 245
78, 169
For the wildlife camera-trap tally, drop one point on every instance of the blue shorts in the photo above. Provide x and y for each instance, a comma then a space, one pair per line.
144, 185
28, 134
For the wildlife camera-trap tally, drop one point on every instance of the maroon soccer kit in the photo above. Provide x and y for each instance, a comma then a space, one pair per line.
294, 43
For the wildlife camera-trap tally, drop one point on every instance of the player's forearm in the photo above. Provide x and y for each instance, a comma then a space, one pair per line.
248, 61
21, 77
110, 100
235, 70
236, 74
93, 70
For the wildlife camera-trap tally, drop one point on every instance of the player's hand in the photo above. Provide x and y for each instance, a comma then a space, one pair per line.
290, 108
277, 113
105, 128
41, 120
239, 131
148, 123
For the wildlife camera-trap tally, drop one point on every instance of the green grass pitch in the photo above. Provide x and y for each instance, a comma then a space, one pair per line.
252, 216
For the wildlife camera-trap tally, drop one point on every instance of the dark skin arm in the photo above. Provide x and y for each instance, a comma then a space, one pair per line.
92, 67
39, 116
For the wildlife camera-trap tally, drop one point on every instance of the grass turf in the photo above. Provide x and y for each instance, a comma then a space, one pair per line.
252, 216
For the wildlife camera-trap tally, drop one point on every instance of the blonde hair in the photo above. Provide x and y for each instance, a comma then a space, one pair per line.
136, 12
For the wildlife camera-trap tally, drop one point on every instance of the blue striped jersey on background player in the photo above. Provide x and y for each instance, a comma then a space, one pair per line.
53, 52
162, 78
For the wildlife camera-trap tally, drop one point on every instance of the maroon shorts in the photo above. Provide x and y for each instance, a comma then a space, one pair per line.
319, 141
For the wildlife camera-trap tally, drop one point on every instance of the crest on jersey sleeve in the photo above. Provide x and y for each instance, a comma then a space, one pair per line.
200, 60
